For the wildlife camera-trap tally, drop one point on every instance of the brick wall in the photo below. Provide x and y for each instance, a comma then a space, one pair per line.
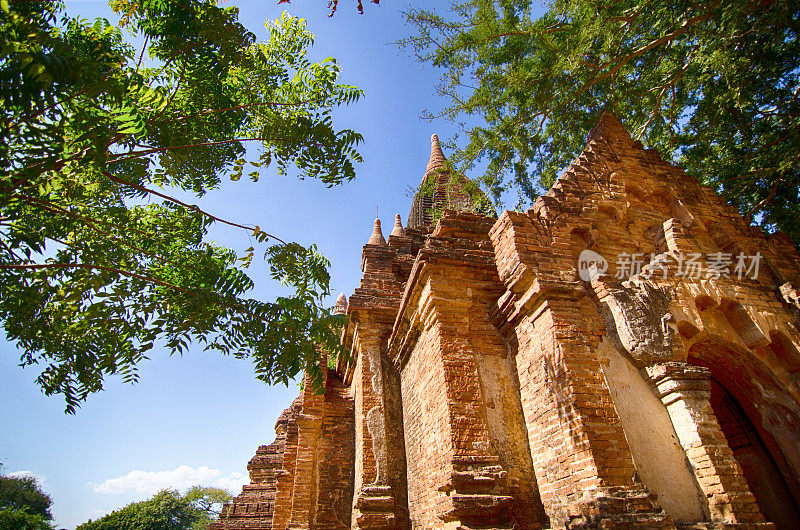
479, 389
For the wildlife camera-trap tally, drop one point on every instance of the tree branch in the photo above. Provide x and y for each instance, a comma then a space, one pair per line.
240, 107
190, 206
174, 92
49, 206
37, 266
687, 24
141, 54
134, 154
45, 266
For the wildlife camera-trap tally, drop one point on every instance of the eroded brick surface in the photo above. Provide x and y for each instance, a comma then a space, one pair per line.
254, 508
480, 391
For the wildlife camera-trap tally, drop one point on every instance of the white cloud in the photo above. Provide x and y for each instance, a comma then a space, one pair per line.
41, 479
232, 482
180, 478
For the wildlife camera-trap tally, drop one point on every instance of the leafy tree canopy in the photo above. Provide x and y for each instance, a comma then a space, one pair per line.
208, 502
713, 85
99, 259
15, 519
23, 504
166, 510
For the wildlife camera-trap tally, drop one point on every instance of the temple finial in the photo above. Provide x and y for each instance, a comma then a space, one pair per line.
377, 236
341, 305
437, 157
398, 227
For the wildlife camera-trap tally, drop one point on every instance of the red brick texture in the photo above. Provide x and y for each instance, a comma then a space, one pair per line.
254, 508
475, 394
303, 479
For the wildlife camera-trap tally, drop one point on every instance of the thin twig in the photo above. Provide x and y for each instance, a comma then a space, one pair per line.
174, 92
122, 157
141, 54
622, 61
36, 266
51, 207
190, 206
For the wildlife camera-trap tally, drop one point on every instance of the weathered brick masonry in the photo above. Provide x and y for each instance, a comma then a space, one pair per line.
489, 385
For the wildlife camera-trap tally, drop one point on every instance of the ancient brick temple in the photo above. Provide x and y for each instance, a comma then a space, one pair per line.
501, 376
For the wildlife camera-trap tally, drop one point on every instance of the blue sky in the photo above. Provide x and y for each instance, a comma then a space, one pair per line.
199, 418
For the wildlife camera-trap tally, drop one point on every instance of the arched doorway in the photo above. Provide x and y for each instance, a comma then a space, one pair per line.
745, 397
760, 470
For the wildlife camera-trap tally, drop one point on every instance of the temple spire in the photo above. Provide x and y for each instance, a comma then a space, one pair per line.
437, 157
341, 305
441, 191
398, 227
377, 236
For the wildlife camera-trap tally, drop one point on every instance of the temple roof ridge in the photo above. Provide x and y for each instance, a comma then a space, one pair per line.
610, 128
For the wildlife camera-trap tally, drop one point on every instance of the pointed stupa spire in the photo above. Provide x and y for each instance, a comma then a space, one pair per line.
377, 236
341, 305
440, 191
398, 227
437, 157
